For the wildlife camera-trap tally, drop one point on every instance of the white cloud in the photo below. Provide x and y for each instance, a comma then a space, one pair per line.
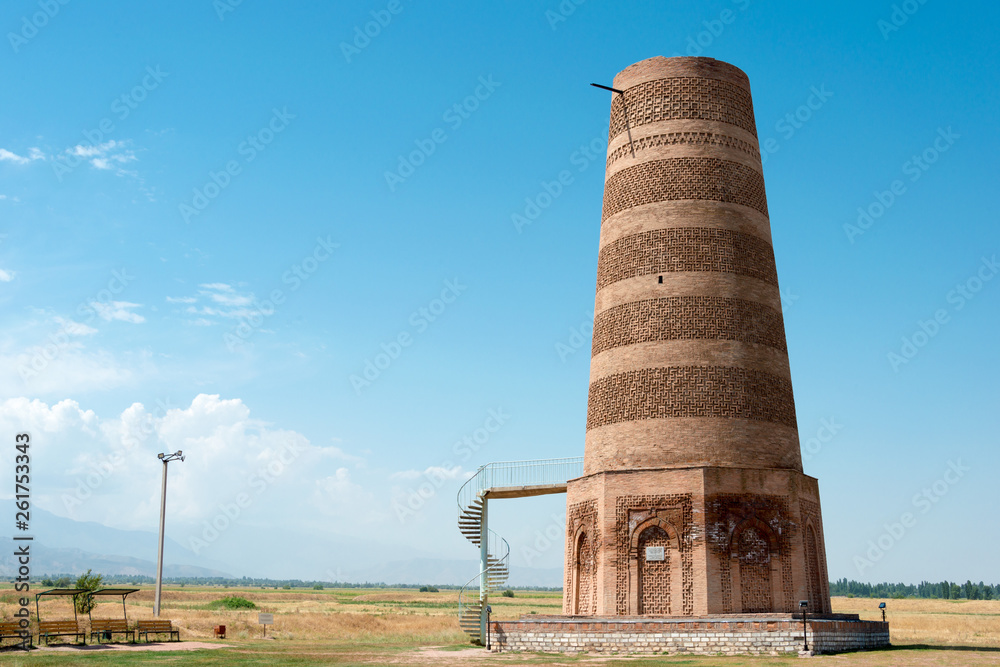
228, 299
336, 453
118, 310
74, 328
12, 157
108, 155
227, 452
433, 472
61, 416
90, 151
63, 368
223, 301
6, 276
33, 154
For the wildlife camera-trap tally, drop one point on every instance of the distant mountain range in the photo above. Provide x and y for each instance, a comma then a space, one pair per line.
450, 573
58, 560
65, 546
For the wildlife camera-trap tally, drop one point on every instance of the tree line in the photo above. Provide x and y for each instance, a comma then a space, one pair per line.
944, 590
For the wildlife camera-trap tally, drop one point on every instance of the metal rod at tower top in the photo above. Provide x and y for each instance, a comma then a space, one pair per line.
628, 126
613, 90
166, 458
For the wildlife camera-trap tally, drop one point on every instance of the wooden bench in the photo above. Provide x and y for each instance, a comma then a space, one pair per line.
12, 630
156, 627
49, 629
108, 627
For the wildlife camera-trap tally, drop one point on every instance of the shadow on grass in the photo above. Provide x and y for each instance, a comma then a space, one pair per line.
941, 647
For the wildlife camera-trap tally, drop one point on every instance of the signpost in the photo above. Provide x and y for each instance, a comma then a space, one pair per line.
265, 620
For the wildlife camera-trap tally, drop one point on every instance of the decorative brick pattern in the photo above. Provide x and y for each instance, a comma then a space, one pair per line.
683, 138
686, 249
815, 560
702, 178
673, 502
724, 515
654, 576
586, 561
687, 210
812, 570
755, 572
682, 98
690, 391
582, 515
688, 318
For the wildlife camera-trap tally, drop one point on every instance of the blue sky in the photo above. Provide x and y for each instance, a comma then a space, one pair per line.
222, 212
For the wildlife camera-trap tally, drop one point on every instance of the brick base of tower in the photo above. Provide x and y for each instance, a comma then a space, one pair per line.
734, 541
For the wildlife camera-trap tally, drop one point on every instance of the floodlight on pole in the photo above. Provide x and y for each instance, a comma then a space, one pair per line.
166, 458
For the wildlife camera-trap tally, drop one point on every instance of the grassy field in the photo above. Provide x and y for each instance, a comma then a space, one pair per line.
400, 626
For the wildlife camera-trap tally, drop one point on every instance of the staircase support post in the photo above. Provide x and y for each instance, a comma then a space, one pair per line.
484, 564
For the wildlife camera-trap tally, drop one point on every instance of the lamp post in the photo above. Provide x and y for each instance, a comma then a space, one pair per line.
166, 458
489, 610
881, 605
804, 605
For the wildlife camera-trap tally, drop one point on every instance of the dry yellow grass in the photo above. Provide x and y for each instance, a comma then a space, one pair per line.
387, 625
947, 622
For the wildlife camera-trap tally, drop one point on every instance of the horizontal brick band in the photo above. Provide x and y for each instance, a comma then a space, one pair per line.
690, 391
682, 98
686, 249
688, 318
683, 138
709, 179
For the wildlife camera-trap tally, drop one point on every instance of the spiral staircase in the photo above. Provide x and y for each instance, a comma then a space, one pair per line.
505, 479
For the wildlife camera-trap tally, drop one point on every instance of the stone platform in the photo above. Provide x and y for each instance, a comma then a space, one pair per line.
732, 634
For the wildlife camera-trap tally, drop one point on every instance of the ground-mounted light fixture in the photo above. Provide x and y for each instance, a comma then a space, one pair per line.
489, 610
804, 606
166, 458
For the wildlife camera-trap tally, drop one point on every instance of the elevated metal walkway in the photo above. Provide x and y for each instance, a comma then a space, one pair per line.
504, 479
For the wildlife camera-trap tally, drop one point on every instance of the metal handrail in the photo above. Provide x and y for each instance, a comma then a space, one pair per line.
503, 474
501, 562
518, 473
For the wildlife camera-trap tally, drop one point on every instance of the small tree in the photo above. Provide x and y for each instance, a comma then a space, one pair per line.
88, 582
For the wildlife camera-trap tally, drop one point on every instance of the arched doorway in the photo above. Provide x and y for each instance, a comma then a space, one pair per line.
753, 553
654, 573
584, 574
812, 560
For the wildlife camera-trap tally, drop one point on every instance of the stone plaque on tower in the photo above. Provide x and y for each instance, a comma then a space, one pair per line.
693, 501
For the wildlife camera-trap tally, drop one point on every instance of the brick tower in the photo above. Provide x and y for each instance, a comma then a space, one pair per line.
693, 501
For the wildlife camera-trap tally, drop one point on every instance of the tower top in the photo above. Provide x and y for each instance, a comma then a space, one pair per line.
660, 67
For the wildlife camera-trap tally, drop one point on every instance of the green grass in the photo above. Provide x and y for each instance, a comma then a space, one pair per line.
298, 653
233, 602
